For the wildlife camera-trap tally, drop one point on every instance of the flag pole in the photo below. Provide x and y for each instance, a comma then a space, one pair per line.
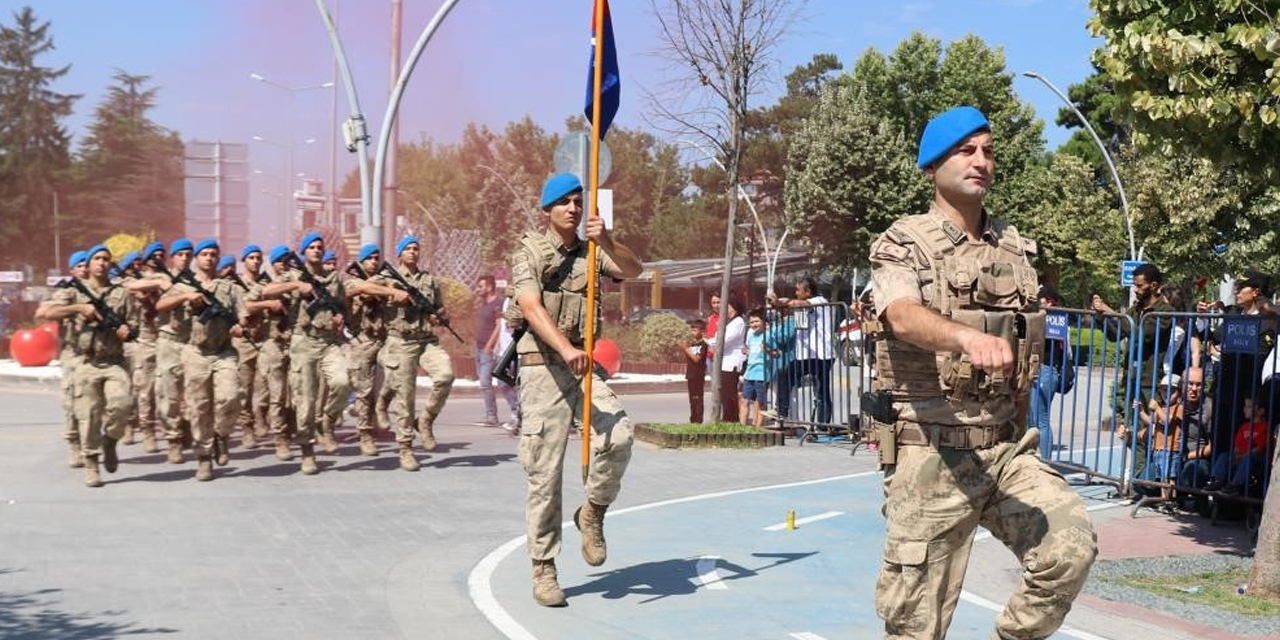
597, 84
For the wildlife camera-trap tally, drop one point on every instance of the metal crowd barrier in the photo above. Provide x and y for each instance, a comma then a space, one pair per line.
1217, 451
812, 385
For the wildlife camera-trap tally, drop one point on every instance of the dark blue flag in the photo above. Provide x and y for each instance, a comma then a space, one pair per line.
611, 85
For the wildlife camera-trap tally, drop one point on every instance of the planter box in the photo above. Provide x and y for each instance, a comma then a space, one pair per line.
708, 440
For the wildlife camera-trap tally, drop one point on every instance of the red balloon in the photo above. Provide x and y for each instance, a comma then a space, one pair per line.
607, 355
33, 347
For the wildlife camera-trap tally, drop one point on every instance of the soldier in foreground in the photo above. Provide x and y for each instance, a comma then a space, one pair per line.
103, 394
963, 332
548, 287
253, 406
68, 358
370, 329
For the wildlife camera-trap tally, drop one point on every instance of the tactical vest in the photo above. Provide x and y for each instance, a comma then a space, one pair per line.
990, 288
93, 343
300, 318
405, 321
213, 336
168, 324
563, 279
367, 316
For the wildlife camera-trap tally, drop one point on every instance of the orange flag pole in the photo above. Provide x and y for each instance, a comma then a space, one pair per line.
593, 211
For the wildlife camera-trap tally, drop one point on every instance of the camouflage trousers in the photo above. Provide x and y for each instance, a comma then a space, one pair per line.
551, 400
273, 379
212, 394
401, 359
68, 360
253, 396
362, 358
934, 499
312, 359
104, 402
142, 364
169, 387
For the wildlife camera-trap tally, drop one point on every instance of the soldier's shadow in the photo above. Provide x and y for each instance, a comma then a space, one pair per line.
677, 577
176, 474
270, 471
472, 461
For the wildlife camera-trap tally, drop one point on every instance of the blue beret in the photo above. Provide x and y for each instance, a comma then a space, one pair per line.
77, 258
308, 239
559, 186
368, 250
179, 245
946, 130
152, 249
95, 250
207, 243
251, 249
279, 252
226, 261
129, 258
329, 256
405, 242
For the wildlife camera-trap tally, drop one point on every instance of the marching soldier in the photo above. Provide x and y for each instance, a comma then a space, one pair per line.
273, 359
103, 394
412, 343
370, 328
253, 407
68, 358
548, 288
172, 334
315, 349
212, 306
962, 338
146, 281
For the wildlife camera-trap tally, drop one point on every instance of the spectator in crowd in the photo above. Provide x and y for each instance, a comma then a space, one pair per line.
1239, 370
779, 353
713, 322
1054, 372
1159, 437
815, 348
1147, 280
1197, 423
1233, 469
755, 380
735, 337
1179, 351
695, 367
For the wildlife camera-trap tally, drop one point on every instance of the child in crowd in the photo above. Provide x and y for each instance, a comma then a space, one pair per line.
754, 383
1231, 469
695, 367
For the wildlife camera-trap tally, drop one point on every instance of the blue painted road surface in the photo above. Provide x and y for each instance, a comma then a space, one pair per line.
723, 566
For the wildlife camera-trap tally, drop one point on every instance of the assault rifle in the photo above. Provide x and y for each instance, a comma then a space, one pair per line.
110, 320
419, 302
213, 308
323, 300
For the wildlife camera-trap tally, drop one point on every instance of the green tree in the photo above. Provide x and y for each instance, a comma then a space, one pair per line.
1201, 76
129, 171
34, 145
849, 169
1095, 97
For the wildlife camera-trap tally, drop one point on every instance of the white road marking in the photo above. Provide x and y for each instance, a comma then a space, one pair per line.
1064, 629
707, 575
805, 520
479, 582
805, 635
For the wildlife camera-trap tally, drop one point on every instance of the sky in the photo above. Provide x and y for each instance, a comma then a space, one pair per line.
491, 62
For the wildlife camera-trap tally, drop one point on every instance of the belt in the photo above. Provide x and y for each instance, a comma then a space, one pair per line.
958, 438
540, 359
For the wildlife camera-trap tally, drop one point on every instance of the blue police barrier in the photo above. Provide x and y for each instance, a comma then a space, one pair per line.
813, 359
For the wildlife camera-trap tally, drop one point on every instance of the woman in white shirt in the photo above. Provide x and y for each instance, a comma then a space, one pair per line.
734, 360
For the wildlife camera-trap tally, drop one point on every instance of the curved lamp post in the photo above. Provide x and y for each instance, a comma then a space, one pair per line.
1115, 176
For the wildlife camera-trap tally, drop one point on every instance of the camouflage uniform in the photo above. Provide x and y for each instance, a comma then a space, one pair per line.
365, 317
254, 397
174, 330
68, 360
315, 352
411, 343
962, 457
273, 363
103, 391
551, 394
142, 361
209, 366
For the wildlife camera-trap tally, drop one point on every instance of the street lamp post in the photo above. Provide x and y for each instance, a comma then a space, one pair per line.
1115, 175
293, 92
